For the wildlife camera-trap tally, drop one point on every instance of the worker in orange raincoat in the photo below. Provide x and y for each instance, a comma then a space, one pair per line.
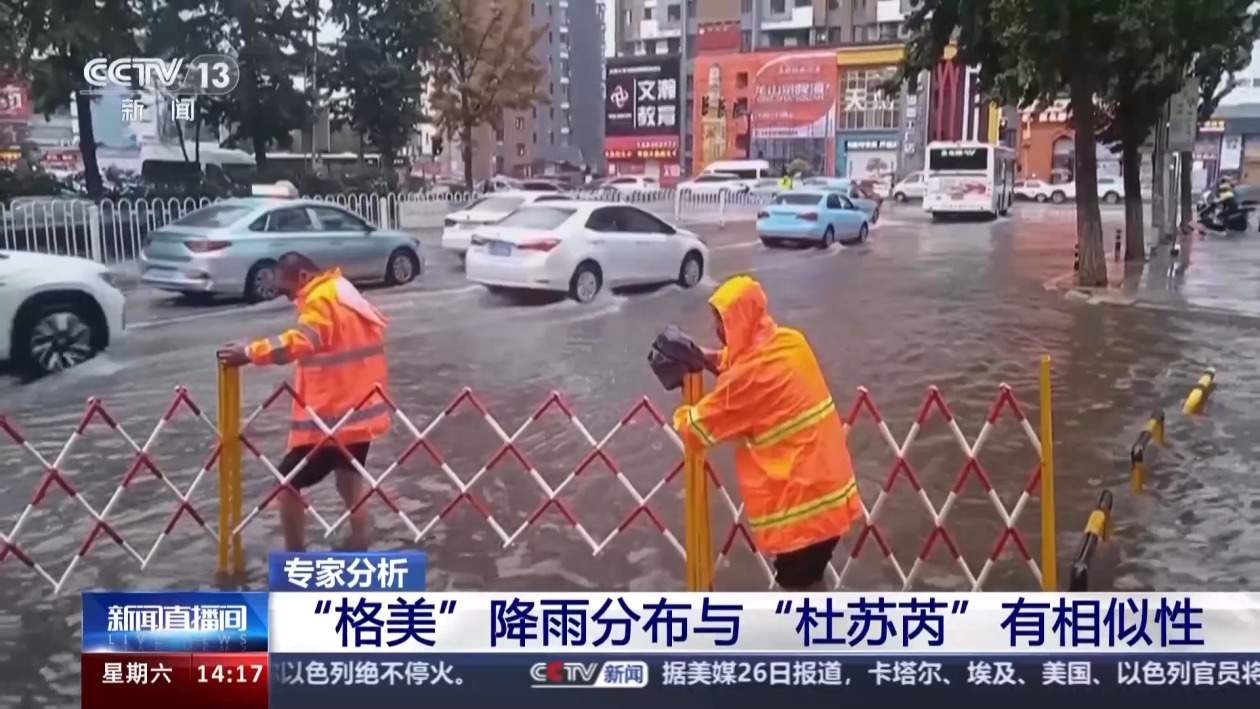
795, 474
339, 348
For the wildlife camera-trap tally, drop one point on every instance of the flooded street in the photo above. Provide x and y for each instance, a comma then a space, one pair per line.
959, 306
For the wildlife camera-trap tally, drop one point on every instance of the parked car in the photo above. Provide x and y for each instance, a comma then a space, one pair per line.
582, 247
817, 217
1039, 191
630, 184
864, 199
231, 247
912, 186
56, 311
1111, 190
713, 183
458, 227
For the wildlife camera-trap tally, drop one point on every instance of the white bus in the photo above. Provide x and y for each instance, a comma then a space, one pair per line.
969, 178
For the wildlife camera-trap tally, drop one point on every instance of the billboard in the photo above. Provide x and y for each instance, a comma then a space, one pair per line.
795, 96
641, 96
15, 100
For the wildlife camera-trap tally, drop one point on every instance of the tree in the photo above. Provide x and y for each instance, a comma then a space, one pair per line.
379, 70
1029, 51
52, 41
484, 64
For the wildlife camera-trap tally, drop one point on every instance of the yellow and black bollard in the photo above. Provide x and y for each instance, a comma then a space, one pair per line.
1117, 244
231, 554
1076, 258
1199, 394
1096, 532
1153, 432
698, 532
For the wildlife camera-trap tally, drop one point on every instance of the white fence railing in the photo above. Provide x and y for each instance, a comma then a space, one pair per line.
111, 231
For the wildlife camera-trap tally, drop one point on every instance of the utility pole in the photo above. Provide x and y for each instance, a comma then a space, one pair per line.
1159, 173
685, 69
314, 12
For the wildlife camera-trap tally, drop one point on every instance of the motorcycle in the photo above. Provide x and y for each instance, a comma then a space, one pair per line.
1219, 217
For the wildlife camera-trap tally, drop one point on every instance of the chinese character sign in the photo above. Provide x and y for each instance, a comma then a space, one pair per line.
795, 96
347, 571
641, 96
15, 100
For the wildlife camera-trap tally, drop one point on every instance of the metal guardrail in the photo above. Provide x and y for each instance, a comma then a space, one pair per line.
234, 438
112, 231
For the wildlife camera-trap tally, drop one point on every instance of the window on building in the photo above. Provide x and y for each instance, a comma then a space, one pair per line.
647, 13
531, 10
741, 107
745, 41
888, 31
833, 5
535, 137
673, 13
651, 48
498, 132
837, 35
520, 150
745, 7
864, 106
520, 123
774, 40
671, 46
741, 79
804, 3
626, 18
553, 113
691, 8
778, 7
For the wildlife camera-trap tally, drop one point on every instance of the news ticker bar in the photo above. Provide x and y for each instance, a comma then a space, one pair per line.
178, 680
732, 681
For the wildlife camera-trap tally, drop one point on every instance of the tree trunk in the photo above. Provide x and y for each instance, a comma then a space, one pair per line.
87, 145
1134, 207
466, 150
1089, 234
1157, 183
1187, 190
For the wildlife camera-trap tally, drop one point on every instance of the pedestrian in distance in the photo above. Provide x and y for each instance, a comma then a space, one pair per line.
792, 461
338, 347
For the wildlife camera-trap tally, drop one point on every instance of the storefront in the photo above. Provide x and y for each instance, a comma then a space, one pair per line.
872, 157
868, 139
778, 107
641, 105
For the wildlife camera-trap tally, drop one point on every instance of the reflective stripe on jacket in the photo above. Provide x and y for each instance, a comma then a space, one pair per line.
795, 474
339, 347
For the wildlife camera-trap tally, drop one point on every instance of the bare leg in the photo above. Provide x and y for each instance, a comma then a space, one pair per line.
351, 486
292, 521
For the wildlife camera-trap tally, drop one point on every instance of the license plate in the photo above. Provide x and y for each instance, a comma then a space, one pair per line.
500, 248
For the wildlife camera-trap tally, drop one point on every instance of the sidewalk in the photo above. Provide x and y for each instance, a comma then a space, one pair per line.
1214, 273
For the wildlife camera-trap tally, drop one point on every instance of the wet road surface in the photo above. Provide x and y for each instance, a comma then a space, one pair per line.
961, 306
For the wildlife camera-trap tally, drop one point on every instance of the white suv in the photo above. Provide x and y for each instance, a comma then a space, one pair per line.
56, 311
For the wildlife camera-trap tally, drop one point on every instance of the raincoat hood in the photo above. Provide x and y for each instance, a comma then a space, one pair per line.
742, 305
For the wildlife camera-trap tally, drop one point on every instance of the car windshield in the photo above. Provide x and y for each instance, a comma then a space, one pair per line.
213, 216
714, 178
497, 204
800, 200
537, 218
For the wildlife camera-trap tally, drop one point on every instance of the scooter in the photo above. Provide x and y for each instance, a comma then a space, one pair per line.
1216, 217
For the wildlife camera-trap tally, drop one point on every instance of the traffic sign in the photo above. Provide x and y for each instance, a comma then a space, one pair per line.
1183, 117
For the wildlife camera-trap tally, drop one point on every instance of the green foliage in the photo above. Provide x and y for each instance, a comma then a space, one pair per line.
484, 63
379, 69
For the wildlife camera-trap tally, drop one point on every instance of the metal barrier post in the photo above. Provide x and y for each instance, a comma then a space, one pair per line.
1095, 534
722, 208
231, 555
1202, 389
386, 222
1049, 552
1154, 431
96, 245
699, 542
677, 204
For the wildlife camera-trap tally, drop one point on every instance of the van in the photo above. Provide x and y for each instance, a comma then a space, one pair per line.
749, 172
161, 163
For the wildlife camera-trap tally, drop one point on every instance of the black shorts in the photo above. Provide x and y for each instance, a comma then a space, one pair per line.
798, 570
325, 460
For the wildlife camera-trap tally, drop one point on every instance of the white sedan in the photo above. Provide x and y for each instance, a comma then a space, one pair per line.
581, 248
714, 183
55, 311
458, 227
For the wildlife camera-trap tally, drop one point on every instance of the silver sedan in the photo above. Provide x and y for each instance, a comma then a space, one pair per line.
231, 247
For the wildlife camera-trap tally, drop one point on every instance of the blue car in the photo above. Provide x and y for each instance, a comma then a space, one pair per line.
818, 218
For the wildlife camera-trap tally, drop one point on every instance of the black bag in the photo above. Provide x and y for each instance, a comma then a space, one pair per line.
673, 356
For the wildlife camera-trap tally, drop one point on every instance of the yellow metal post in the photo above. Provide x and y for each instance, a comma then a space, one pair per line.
1049, 553
699, 542
231, 556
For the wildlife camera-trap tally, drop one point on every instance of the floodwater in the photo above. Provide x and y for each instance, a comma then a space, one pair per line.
958, 306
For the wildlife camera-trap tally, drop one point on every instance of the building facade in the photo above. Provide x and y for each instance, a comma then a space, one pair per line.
642, 115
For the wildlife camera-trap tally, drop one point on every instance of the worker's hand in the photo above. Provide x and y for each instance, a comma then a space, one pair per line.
712, 358
233, 355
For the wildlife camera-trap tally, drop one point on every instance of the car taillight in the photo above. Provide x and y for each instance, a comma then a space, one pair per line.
763, 215
448, 222
205, 245
540, 245
808, 216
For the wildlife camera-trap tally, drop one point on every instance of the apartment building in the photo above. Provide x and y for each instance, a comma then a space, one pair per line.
567, 131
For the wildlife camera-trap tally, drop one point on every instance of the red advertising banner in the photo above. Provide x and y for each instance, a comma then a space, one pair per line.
795, 96
15, 100
718, 37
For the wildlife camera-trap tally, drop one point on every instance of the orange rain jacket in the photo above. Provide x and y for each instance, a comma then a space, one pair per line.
339, 347
794, 470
